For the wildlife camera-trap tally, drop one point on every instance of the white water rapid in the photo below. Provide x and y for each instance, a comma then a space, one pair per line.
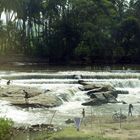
65, 84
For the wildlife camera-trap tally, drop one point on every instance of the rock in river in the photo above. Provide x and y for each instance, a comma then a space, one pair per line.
100, 93
97, 87
95, 101
36, 97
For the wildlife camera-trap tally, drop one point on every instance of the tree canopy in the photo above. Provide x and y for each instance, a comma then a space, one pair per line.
91, 31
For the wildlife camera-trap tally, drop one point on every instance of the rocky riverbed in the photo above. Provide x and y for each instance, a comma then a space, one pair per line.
37, 97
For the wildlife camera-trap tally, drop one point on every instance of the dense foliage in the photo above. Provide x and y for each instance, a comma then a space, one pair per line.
5, 128
90, 31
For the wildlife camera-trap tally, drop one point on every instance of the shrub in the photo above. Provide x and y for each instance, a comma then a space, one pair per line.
5, 128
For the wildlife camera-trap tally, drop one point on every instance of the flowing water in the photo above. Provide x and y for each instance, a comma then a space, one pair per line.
65, 84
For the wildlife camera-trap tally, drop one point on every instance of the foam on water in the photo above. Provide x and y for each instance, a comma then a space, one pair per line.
70, 74
133, 96
24, 116
64, 85
6, 110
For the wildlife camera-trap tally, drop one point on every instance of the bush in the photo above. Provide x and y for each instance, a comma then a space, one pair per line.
5, 128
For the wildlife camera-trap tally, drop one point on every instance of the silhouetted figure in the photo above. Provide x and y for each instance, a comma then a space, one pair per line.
130, 109
83, 113
8, 82
26, 96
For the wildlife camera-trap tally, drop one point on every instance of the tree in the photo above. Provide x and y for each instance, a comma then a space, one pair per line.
128, 38
65, 30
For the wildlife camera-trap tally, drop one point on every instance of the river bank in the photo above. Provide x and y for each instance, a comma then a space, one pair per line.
97, 127
105, 126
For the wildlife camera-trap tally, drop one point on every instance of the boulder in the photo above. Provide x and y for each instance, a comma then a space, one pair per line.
97, 90
122, 92
88, 87
36, 97
46, 100
17, 91
94, 102
100, 93
99, 98
110, 98
95, 87
69, 121
93, 94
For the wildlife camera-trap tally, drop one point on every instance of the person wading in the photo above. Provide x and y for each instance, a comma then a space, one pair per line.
130, 109
26, 96
83, 113
8, 82
83, 116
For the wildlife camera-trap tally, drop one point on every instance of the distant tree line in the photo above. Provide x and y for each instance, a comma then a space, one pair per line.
88, 31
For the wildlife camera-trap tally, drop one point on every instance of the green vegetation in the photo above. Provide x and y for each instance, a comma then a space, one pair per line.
90, 31
72, 134
5, 128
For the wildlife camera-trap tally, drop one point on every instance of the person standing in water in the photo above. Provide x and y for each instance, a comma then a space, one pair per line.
8, 82
26, 96
130, 109
83, 116
83, 113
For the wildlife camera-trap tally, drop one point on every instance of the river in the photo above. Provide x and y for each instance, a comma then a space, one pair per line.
64, 85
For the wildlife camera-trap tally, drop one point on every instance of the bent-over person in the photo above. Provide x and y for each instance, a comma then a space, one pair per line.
8, 82
26, 96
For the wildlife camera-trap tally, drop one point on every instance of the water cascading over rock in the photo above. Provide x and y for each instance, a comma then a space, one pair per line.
100, 93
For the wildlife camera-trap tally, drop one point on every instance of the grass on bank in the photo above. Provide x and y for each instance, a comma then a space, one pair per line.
71, 133
103, 128
5, 128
